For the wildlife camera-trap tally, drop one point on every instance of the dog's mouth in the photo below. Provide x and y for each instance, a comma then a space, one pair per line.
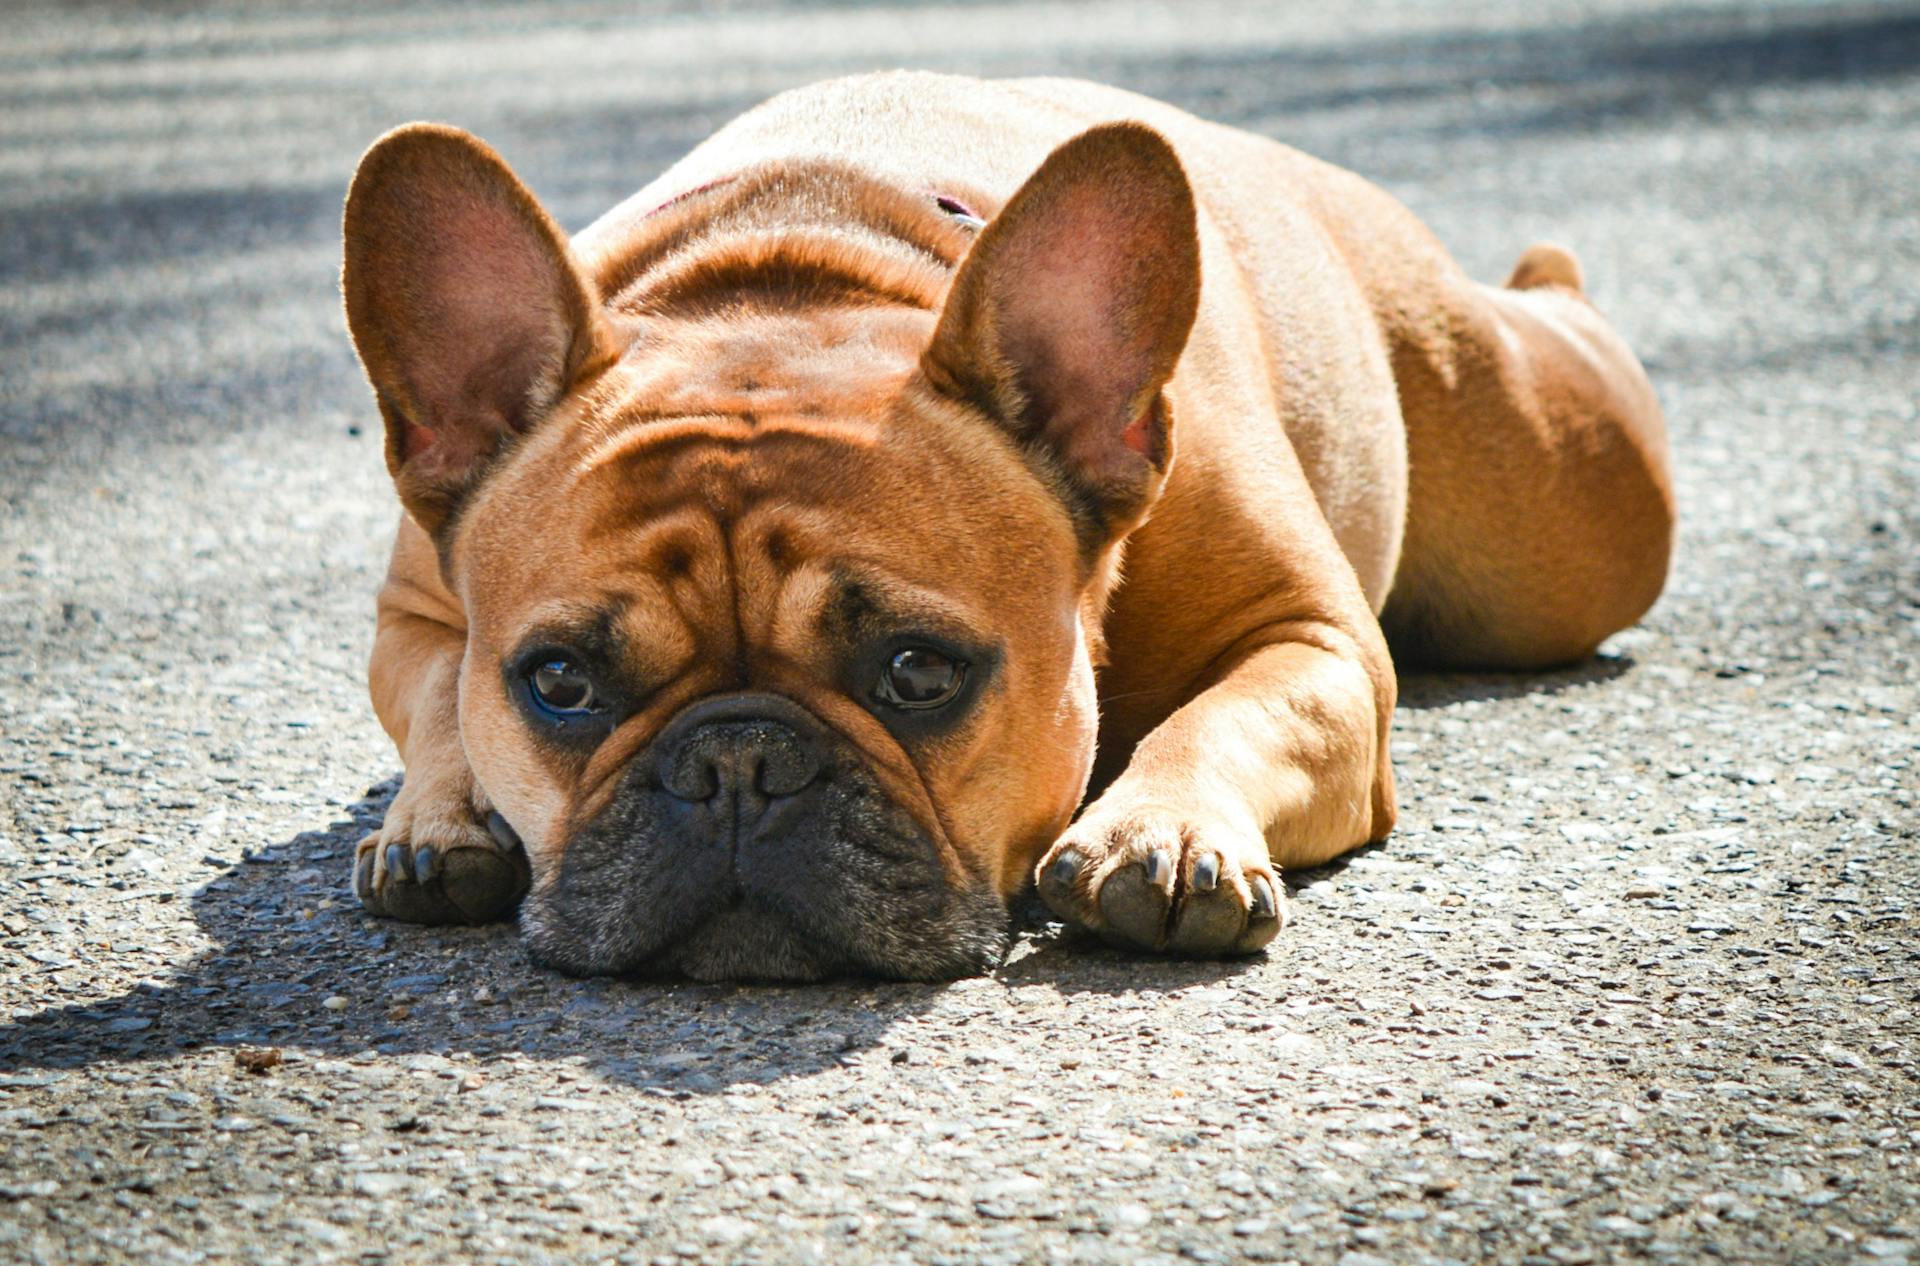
816, 877
738, 943
745, 944
743, 939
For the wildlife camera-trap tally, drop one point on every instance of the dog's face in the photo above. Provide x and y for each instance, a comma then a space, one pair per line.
781, 596
781, 680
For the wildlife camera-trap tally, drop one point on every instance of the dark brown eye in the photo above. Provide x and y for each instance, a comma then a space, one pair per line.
562, 688
920, 677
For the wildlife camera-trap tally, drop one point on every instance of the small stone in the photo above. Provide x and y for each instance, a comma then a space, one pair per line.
379, 1185
334, 1002
28, 1190
258, 1060
1019, 1187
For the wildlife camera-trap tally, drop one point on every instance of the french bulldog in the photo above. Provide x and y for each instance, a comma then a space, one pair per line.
929, 487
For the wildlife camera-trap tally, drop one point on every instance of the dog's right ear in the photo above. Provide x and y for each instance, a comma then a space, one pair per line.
1069, 315
466, 306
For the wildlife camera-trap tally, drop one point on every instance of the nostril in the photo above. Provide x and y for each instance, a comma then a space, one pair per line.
690, 775
785, 770
760, 758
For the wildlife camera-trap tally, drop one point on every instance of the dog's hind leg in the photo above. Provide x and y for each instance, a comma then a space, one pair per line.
1541, 511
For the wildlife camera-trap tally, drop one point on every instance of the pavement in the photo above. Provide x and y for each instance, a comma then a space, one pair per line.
1635, 980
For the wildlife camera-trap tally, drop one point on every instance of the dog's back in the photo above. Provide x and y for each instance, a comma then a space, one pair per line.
1496, 522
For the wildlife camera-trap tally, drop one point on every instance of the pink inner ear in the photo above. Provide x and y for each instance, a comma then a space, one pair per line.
488, 329
414, 440
1074, 316
448, 453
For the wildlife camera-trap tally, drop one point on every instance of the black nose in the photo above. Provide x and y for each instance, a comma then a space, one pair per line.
741, 751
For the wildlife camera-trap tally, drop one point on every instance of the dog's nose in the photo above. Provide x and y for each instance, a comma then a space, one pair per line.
742, 750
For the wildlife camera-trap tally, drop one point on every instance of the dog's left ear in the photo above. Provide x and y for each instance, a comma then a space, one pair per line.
466, 306
1068, 316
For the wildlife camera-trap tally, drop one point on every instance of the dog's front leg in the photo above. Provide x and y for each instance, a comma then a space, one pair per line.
1279, 761
434, 859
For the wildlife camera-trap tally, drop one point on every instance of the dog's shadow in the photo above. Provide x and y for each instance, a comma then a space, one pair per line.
296, 964
1422, 688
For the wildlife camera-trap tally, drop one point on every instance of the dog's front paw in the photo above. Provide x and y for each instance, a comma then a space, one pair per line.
1154, 878
438, 863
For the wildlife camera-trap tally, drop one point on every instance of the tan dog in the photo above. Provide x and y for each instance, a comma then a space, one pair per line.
786, 556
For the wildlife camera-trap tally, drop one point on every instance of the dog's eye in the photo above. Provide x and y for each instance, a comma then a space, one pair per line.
920, 677
562, 688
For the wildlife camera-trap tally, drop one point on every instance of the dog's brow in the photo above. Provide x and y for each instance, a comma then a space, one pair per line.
865, 602
591, 628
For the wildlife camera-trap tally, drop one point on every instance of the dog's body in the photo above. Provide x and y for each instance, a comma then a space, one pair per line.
1213, 441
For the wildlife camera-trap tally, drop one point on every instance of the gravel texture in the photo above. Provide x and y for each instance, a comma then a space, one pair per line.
1636, 979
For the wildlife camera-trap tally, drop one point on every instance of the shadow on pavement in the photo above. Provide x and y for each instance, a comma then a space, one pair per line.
291, 945
1420, 690
289, 937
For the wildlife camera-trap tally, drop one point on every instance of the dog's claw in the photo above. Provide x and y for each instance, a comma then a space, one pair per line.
426, 863
1264, 904
1206, 873
397, 868
363, 876
1066, 868
1159, 866
503, 832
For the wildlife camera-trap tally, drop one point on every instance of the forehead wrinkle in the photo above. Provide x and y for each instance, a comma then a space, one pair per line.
802, 593
654, 437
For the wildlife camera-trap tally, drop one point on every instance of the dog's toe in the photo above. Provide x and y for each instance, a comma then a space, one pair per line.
1224, 909
1134, 907
484, 884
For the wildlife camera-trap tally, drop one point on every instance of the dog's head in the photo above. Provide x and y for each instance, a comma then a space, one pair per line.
782, 541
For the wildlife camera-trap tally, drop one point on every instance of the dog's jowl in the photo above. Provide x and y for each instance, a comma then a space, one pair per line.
929, 486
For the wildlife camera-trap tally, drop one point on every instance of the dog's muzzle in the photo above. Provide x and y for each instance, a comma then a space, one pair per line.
751, 841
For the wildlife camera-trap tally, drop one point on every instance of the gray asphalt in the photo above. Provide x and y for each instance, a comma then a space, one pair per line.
1636, 979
